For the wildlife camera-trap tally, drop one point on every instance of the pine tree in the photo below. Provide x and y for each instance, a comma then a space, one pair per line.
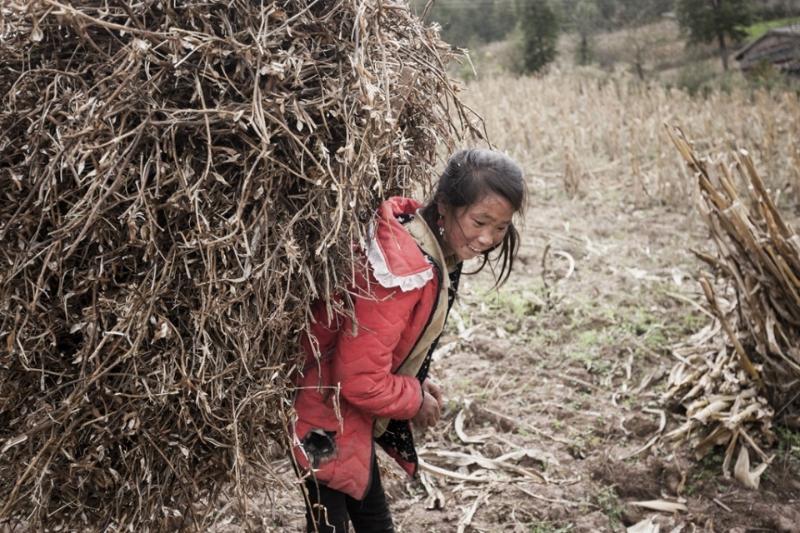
710, 20
539, 28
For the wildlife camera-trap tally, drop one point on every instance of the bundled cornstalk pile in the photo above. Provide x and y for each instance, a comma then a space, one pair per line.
179, 181
744, 367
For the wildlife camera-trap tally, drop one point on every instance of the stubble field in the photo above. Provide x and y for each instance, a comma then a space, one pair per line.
554, 419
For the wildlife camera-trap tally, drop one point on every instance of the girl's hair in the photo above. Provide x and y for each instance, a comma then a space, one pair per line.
469, 176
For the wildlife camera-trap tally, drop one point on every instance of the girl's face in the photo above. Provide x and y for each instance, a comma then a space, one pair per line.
470, 231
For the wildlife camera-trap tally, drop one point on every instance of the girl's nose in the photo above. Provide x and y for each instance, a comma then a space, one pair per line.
485, 239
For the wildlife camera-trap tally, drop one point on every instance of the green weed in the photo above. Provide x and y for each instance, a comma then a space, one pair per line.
696, 79
705, 470
578, 448
789, 442
592, 362
517, 303
691, 322
609, 503
590, 338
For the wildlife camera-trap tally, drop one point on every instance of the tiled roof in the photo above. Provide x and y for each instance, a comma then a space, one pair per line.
792, 30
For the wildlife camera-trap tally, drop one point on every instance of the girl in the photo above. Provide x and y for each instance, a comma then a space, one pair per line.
371, 379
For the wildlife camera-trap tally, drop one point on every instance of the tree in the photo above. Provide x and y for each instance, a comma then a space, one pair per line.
466, 23
641, 38
612, 14
586, 19
634, 13
710, 20
539, 28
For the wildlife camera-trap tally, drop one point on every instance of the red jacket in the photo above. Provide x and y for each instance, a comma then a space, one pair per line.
393, 299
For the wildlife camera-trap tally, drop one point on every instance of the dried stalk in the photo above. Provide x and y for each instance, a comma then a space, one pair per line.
180, 182
731, 382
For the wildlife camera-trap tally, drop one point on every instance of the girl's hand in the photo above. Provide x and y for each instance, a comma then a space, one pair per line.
434, 390
428, 413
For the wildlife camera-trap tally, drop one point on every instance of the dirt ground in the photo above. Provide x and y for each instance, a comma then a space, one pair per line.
553, 389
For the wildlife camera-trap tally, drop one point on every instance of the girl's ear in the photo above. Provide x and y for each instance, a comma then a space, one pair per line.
441, 208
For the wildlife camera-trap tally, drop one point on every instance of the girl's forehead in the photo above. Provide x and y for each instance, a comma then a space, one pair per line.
493, 205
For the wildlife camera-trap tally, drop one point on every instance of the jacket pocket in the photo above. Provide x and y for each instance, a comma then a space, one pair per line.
319, 446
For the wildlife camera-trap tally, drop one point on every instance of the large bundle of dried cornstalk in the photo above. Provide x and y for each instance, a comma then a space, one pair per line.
180, 179
744, 367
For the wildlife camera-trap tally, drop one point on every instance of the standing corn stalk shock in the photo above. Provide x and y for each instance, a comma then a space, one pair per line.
743, 370
179, 183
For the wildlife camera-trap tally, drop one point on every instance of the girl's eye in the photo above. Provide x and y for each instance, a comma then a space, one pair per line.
479, 224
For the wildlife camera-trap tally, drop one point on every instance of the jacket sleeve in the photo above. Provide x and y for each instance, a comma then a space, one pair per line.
362, 364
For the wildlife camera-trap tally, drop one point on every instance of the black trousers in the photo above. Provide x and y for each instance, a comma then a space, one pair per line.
330, 509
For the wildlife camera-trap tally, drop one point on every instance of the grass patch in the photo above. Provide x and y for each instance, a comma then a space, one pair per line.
592, 362
580, 447
609, 503
789, 442
610, 327
760, 28
692, 321
705, 470
519, 303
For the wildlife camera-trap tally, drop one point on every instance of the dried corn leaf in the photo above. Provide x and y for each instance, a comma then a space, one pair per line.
743, 474
662, 506
644, 526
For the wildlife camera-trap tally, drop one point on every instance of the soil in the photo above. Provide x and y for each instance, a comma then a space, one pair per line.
566, 365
